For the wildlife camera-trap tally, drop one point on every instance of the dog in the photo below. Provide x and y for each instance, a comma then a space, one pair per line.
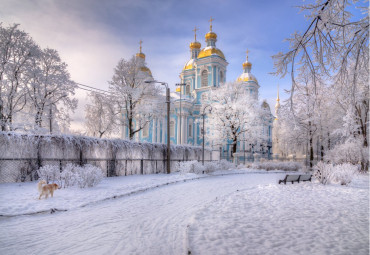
46, 189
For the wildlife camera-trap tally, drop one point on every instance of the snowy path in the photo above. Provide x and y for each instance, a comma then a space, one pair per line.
152, 222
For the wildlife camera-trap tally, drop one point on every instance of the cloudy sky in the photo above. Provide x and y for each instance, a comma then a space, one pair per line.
92, 35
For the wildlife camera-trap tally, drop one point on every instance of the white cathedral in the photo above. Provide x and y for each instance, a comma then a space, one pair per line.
205, 70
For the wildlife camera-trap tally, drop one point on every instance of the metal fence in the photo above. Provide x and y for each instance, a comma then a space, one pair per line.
26, 168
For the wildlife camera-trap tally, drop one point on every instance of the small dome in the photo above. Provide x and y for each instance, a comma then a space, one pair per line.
189, 65
208, 51
195, 45
211, 35
146, 70
140, 55
247, 77
247, 64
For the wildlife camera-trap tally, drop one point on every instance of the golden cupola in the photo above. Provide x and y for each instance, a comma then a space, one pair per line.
143, 69
247, 75
140, 54
194, 50
211, 49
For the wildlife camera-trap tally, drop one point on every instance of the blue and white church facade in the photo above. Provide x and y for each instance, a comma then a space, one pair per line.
205, 70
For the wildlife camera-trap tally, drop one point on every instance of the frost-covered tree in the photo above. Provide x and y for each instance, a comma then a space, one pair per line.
100, 115
235, 114
17, 49
333, 54
136, 102
50, 89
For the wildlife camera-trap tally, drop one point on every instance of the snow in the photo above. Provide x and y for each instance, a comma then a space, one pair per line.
228, 212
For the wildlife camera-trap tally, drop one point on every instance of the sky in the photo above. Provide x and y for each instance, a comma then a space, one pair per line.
91, 36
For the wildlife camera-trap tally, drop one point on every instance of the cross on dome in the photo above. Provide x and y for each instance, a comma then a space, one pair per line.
247, 53
210, 23
140, 45
195, 33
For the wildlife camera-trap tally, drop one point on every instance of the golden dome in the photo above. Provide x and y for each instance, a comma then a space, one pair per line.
247, 64
189, 65
208, 51
195, 45
140, 55
247, 77
211, 35
145, 69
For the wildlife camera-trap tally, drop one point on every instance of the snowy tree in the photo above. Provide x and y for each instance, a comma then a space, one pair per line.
332, 54
100, 115
17, 49
50, 88
137, 102
235, 114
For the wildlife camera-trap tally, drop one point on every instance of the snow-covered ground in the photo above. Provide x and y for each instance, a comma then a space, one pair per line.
233, 212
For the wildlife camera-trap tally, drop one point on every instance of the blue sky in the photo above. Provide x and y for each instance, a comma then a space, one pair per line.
92, 35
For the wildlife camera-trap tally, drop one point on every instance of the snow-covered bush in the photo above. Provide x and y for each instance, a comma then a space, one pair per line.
68, 176
88, 176
344, 173
49, 173
208, 167
351, 151
191, 167
272, 165
225, 165
85, 176
328, 173
323, 172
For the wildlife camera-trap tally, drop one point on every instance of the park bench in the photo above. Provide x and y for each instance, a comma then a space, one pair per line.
296, 178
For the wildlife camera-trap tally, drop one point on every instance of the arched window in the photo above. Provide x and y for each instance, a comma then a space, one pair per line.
187, 89
190, 130
204, 76
172, 128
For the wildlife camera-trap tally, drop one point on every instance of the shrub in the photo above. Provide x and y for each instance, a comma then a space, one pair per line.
88, 176
352, 151
72, 175
328, 173
49, 173
272, 165
208, 167
68, 176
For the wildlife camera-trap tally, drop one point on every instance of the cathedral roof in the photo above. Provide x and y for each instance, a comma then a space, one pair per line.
189, 65
210, 50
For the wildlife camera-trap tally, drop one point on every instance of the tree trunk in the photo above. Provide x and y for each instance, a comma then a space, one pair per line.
311, 144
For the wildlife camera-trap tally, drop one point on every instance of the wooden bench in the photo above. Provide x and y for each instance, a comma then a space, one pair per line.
296, 178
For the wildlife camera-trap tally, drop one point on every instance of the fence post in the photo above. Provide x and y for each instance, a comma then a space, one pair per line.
142, 166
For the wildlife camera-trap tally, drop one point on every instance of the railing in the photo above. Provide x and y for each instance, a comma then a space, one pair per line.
25, 169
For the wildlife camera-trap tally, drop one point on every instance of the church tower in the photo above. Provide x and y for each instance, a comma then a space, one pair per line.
206, 68
144, 71
247, 78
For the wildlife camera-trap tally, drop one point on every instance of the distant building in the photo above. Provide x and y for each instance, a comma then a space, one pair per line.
205, 70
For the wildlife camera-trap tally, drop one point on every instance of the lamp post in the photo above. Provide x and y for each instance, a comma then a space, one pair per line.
168, 101
180, 84
203, 130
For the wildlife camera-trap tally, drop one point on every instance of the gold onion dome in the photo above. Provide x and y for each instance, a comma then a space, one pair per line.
211, 35
195, 45
247, 77
208, 51
140, 54
247, 64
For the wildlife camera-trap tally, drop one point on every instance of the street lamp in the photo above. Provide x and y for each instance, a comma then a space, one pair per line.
203, 130
168, 101
181, 85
